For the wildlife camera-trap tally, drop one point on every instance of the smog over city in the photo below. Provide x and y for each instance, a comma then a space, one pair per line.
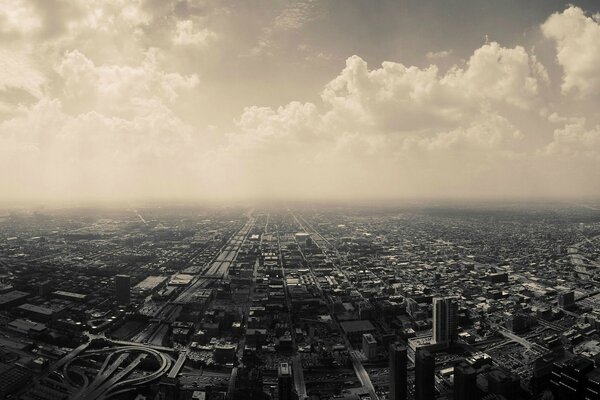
299, 199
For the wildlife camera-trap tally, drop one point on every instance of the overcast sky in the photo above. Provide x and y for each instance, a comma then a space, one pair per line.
341, 99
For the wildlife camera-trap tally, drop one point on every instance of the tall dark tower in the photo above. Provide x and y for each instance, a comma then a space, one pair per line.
397, 372
445, 319
285, 382
424, 375
465, 382
123, 288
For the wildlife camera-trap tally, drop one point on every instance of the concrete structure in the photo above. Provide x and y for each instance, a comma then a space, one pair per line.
12, 299
123, 289
285, 382
398, 364
445, 320
566, 299
465, 382
424, 375
369, 345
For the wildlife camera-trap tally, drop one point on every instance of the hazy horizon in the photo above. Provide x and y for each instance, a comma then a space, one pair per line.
592, 204
349, 101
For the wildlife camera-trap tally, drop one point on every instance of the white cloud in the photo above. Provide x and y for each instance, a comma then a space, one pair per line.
575, 139
577, 40
404, 99
55, 155
17, 70
438, 55
18, 16
115, 105
391, 128
186, 33
118, 88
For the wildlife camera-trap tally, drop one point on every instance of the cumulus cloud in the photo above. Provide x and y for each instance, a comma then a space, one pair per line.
391, 124
399, 98
186, 33
110, 105
577, 38
18, 70
18, 17
57, 155
118, 88
576, 139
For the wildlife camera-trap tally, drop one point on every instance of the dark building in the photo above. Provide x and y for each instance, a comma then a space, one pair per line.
445, 320
592, 390
44, 288
12, 378
498, 277
12, 299
123, 288
569, 378
503, 383
424, 375
566, 299
285, 382
397, 372
249, 385
465, 382
520, 322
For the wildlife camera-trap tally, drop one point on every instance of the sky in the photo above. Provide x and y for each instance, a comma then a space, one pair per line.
331, 99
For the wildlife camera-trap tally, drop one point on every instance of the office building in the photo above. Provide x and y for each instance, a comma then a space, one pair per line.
465, 382
285, 382
445, 320
369, 345
424, 375
503, 383
569, 379
123, 288
566, 300
397, 372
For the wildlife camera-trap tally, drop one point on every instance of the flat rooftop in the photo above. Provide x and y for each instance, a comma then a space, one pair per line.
358, 326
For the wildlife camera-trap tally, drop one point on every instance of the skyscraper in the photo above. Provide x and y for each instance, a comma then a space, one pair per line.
123, 288
465, 382
424, 375
445, 320
284, 382
397, 372
369, 346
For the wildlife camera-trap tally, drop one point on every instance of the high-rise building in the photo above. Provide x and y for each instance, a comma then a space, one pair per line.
369, 346
503, 383
44, 288
465, 382
397, 372
569, 378
285, 382
123, 288
424, 375
445, 320
566, 299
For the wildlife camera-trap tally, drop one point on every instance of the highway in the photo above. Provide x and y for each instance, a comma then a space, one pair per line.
298, 377
178, 364
299, 382
109, 383
220, 266
105, 372
359, 369
522, 341
115, 369
362, 374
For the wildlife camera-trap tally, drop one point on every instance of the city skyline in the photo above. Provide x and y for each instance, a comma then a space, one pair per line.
306, 100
